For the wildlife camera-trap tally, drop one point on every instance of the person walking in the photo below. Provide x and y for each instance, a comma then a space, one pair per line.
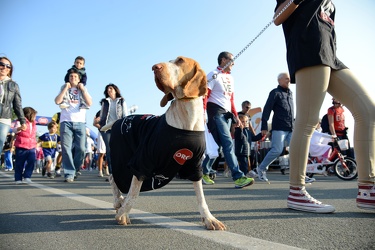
49, 142
10, 100
221, 112
280, 101
25, 144
56, 118
309, 30
73, 124
336, 124
113, 108
8, 151
101, 150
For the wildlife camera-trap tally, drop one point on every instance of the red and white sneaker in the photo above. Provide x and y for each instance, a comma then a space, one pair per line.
299, 199
366, 197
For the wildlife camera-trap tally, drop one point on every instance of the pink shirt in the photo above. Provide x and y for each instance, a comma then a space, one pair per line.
26, 139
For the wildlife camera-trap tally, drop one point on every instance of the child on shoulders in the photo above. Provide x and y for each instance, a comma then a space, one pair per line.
79, 64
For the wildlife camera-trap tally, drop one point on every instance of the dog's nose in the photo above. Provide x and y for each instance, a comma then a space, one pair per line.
157, 67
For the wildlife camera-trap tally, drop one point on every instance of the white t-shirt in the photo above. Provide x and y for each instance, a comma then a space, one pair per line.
222, 89
89, 144
73, 113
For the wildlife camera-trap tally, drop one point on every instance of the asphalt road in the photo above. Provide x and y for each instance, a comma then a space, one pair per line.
51, 214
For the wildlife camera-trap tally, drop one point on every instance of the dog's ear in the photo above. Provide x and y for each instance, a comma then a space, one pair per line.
166, 99
194, 87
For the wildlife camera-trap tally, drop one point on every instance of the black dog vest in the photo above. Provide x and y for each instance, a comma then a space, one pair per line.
147, 147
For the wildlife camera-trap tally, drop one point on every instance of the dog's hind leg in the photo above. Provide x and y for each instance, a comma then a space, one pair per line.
117, 195
122, 215
210, 222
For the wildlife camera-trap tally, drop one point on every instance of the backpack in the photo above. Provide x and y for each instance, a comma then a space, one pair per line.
324, 124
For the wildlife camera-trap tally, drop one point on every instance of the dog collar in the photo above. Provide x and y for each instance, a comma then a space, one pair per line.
185, 98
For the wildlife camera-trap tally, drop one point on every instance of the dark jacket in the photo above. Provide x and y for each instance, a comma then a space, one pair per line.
242, 140
280, 101
12, 100
121, 110
241, 143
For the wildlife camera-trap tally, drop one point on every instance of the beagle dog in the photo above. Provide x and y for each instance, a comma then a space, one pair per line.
148, 151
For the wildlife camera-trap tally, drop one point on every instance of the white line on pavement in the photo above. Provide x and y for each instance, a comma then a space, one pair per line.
222, 237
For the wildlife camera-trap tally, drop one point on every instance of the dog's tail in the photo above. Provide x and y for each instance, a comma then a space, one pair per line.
107, 127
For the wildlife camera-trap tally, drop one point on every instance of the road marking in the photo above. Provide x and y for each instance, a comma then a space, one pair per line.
222, 237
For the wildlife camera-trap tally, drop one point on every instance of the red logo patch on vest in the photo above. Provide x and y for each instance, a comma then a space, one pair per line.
182, 155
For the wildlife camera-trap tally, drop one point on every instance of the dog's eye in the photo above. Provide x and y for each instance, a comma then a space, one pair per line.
179, 61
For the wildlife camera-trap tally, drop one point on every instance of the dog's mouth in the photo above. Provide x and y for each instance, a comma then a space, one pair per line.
160, 84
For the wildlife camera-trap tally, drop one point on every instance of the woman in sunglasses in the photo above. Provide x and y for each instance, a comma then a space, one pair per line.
10, 98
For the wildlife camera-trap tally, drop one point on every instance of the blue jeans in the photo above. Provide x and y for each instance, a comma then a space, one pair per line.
277, 146
226, 142
106, 138
207, 165
24, 156
4, 130
8, 158
243, 161
73, 137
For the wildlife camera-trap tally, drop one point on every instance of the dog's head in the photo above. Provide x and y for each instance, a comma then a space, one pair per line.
181, 78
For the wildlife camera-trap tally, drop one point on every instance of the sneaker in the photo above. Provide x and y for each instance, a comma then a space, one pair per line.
27, 180
366, 197
57, 175
106, 171
243, 182
100, 174
327, 162
309, 180
299, 199
64, 105
69, 179
207, 180
18, 182
252, 174
44, 171
262, 176
37, 170
227, 172
50, 175
282, 171
331, 171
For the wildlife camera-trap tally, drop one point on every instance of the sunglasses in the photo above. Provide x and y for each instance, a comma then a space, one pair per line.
6, 65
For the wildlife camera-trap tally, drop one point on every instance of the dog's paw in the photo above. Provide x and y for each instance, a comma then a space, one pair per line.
213, 224
123, 219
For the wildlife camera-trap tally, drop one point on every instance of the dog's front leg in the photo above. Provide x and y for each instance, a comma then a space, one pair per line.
122, 215
210, 222
117, 195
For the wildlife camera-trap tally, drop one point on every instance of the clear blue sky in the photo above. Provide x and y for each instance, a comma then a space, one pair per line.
121, 40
